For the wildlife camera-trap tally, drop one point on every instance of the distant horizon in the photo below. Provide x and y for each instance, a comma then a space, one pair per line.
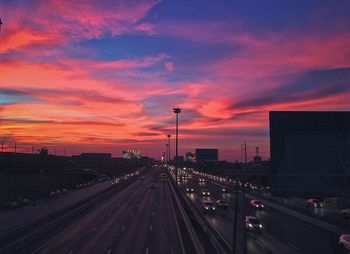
105, 76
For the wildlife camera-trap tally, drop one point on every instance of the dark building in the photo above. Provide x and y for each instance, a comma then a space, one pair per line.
180, 159
206, 154
95, 156
310, 153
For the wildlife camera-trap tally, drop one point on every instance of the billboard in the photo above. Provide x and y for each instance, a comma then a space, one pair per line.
310, 153
131, 154
206, 154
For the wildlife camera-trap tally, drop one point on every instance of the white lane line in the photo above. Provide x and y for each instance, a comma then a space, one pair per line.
151, 227
260, 243
109, 251
147, 250
123, 228
94, 229
292, 245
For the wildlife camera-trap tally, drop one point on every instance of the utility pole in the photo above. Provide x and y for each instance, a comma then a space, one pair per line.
64, 152
2, 145
0, 25
169, 156
235, 218
177, 111
15, 147
32, 149
244, 151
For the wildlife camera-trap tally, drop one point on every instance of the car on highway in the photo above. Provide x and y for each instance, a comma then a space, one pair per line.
208, 206
224, 189
344, 242
222, 203
345, 212
189, 189
256, 203
253, 224
205, 192
201, 180
314, 202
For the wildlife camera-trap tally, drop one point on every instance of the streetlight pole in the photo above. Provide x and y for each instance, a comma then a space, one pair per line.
177, 111
169, 136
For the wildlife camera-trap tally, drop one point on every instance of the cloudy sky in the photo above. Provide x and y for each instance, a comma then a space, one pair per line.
103, 76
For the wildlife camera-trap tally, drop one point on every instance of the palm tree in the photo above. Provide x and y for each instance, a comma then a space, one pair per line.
43, 152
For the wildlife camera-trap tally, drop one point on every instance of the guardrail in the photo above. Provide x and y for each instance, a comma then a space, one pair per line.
197, 247
210, 239
15, 240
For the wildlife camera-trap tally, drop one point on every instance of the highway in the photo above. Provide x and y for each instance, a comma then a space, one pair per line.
138, 219
281, 233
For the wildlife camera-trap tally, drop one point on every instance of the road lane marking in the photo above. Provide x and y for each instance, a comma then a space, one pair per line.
292, 245
151, 227
94, 229
123, 228
109, 251
147, 250
260, 243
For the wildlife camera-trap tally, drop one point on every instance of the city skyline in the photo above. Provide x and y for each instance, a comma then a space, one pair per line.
104, 76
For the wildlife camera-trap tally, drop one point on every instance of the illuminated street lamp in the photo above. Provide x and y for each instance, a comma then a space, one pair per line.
177, 111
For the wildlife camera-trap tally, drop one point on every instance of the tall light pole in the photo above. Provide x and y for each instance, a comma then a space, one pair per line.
177, 111
169, 156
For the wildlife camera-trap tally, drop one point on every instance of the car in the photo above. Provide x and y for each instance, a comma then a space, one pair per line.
253, 224
208, 206
189, 189
256, 203
205, 192
314, 202
344, 241
201, 180
345, 212
222, 203
224, 189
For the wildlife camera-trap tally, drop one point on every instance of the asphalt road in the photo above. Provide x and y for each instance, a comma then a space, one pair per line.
138, 219
281, 233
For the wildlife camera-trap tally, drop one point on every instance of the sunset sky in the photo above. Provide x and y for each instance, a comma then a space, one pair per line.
103, 76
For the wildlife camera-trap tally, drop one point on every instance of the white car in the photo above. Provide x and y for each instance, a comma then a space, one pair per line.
345, 212
252, 224
344, 241
205, 192
208, 206
256, 203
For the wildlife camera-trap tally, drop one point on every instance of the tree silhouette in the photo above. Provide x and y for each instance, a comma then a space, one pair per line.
43, 152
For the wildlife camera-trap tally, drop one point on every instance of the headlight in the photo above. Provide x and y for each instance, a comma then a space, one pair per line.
250, 225
206, 207
260, 226
213, 208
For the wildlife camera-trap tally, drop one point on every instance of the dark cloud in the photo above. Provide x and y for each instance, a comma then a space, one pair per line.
307, 86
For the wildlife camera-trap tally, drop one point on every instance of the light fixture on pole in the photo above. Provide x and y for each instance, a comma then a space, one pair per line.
177, 111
